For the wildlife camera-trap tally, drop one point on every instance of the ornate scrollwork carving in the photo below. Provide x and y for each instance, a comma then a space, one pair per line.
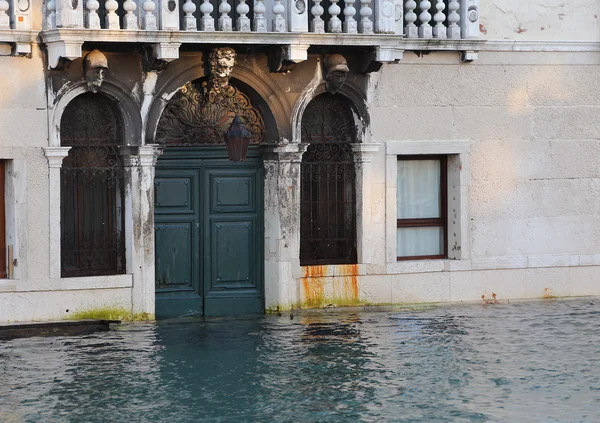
202, 111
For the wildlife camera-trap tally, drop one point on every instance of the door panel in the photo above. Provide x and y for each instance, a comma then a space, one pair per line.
174, 255
177, 241
232, 193
173, 194
234, 259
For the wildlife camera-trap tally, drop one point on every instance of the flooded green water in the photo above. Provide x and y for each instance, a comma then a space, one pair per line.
523, 362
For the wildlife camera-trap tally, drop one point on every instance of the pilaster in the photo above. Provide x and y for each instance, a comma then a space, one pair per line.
282, 223
55, 156
139, 164
363, 156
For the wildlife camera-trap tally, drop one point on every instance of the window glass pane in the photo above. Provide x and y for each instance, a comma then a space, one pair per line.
418, 189
427, 241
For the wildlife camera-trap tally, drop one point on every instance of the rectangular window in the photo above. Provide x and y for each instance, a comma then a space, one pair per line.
421, 207
3, 272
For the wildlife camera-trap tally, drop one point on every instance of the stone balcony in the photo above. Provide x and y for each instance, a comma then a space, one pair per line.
382, 28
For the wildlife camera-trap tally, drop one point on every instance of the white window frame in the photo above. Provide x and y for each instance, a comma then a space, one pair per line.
459, 180
15, 217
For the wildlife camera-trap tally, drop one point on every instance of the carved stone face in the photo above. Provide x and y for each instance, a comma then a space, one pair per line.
224, 66
336, 70
95, 77
95, 68
335, 80
222, 61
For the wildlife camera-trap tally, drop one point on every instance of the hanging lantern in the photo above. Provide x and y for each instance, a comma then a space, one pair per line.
238, 138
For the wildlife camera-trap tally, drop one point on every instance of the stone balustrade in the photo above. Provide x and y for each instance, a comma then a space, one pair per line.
382, 28
425, 19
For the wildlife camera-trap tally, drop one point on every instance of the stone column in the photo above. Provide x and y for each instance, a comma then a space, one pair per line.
363, 155
139, 163
282, 224
55, 156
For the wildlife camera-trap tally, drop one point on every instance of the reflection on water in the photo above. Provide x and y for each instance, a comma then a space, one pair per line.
526, 362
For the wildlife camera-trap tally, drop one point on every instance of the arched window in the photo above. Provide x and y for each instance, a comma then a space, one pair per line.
328, 193
92, 191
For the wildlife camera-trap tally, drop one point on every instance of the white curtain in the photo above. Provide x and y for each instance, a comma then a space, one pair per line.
419, 197
418, 189
428, 241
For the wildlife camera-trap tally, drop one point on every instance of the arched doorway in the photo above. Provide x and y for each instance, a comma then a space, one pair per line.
208, 214
92, 188
328, 183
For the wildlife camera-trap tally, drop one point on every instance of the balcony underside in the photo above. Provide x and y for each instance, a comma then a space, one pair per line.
67, 43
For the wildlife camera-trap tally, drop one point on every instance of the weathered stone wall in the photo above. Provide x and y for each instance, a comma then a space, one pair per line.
559, 20
531, 120
32, 294
24, 132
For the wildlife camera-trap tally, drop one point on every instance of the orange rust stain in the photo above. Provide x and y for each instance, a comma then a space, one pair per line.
350, 273
548, 293
316, 277
313, 284
315, 271
314, 290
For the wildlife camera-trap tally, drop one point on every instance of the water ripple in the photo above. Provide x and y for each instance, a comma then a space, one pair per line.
524, 362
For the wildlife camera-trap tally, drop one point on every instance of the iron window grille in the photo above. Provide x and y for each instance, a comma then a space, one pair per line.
328, 189
92, 189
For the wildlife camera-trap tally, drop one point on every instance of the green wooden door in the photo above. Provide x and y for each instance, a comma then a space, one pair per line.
209, 233
177, 241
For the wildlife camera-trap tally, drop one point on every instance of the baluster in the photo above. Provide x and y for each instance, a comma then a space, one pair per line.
278, 20
50, 14
111, 19
4, 18
335, 25
350, 26
365, 26
411, 30
225, 23
425, 30
130, 20
439, 30
207, 23
93, 20
317, 24
69, 14
260, 22
453, 19
168, 15
297, 16
469, 19
189, 20
21, 16
243, 22
149, 19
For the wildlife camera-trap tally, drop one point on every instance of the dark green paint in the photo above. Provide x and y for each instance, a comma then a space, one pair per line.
209, 233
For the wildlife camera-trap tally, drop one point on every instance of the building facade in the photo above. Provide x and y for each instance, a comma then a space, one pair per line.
402, 152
